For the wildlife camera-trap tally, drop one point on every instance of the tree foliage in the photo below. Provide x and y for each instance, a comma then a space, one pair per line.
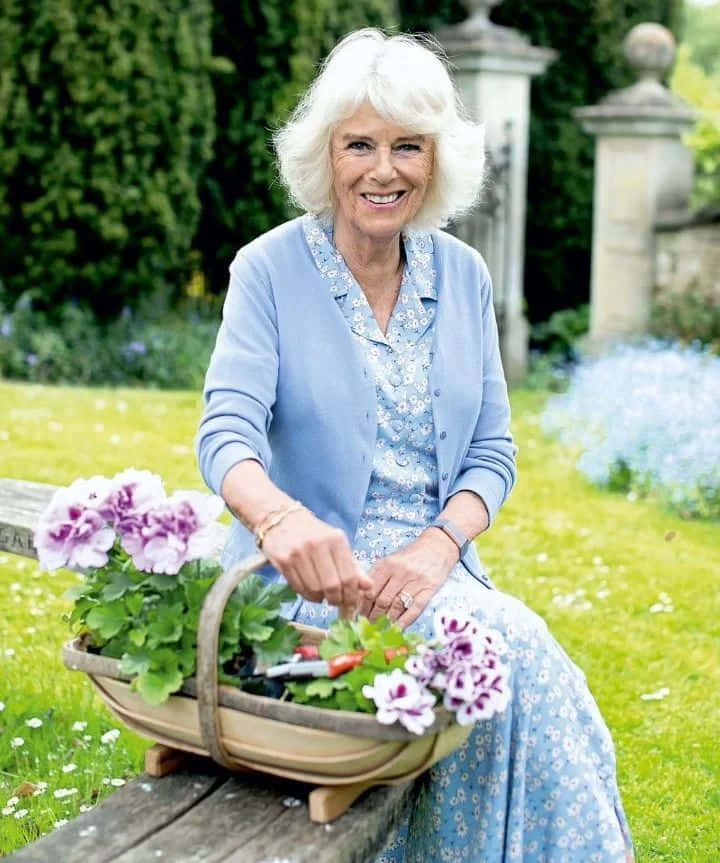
106, 123
275, 46
702, 91
702, 35
588, 39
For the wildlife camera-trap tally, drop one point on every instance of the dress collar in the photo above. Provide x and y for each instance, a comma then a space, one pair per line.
331, 264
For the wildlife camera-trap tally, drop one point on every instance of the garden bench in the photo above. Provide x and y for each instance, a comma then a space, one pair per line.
198, 811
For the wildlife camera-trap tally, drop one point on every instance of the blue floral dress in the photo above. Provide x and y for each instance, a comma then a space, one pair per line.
537, 783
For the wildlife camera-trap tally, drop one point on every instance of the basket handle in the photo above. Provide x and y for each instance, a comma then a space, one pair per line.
207, 654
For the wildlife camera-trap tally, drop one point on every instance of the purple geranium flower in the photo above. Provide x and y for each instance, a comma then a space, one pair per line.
464, 664
400, 698
133, 491
183, 527
72, 532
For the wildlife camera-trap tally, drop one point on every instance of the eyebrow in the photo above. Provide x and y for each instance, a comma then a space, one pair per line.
349, 136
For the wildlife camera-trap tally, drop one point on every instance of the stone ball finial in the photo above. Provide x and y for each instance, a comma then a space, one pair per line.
479, 10
649, 50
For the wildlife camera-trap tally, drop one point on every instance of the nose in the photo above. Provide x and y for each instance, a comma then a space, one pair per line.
383, 169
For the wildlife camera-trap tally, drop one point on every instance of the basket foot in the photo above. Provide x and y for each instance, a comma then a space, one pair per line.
161, 760
328, 802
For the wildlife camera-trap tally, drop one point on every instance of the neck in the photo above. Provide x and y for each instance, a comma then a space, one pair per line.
373, 261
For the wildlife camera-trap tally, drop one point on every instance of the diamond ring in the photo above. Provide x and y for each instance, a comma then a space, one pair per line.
406, 598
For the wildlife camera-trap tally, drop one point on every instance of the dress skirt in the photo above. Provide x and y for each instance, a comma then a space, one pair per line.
535, 784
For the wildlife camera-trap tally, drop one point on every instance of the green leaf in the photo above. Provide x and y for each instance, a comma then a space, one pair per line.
137, 662
252, 631
164, 630
155, 687
78, 592
281, 644
79, 612
138, 636
255, 614
196, 591
273, 595
107, 620
134, 603
323, 687
119, 584
162, 582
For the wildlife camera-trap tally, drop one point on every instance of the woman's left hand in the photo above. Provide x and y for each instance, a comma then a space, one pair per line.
406, 580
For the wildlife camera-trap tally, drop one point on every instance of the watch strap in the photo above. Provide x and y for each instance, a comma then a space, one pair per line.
454, 532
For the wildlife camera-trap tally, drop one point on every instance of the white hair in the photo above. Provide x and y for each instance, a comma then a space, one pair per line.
405, 79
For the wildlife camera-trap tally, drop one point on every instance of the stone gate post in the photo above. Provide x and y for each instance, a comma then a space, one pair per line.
493, 69
642, 170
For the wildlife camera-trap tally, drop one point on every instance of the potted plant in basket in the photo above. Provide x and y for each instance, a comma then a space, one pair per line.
158, 625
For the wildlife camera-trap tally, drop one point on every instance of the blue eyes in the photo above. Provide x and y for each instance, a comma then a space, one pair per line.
364, 146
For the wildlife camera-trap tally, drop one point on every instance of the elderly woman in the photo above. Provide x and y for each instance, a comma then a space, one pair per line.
357, 425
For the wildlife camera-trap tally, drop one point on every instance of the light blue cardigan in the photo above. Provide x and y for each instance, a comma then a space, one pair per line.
288, 387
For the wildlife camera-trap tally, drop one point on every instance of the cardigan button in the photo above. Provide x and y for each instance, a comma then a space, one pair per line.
445, 476
436, 392
443, 435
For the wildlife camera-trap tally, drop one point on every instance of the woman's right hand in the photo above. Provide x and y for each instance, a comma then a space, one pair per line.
317, 561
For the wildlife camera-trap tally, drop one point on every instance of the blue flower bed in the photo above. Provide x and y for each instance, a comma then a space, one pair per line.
647, 420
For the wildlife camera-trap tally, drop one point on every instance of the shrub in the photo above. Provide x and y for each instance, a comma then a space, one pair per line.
559, 335
106, 124
688, 317
647, 420
170, 350
701, 91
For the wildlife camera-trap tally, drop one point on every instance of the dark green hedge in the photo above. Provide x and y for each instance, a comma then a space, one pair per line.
588, 37
275, 46
106, 124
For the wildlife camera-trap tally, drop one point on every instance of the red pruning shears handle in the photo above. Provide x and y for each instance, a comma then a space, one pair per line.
346, 661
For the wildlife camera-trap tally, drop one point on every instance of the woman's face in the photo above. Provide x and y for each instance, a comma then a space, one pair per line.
381, 173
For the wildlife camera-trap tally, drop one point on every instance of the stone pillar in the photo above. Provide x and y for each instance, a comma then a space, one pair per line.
642, 171
493, 69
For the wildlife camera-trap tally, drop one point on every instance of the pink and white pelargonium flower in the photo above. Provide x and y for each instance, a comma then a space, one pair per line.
71, 531
161, 533
464, 665
132, 491
165, 535
400, 698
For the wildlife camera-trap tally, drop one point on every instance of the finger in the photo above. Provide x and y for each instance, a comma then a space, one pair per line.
328, 576
346, 572
303, 589
347, 612
388, 601
420, 603
380, 574
305, 573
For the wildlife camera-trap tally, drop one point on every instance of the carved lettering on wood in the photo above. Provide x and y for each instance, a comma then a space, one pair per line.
17, 541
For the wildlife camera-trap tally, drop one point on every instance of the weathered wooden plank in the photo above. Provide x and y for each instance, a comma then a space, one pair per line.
124, 819
250, 821
21, 504
357, 837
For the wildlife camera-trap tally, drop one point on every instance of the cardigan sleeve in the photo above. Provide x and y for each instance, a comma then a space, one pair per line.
488, 467
241, 380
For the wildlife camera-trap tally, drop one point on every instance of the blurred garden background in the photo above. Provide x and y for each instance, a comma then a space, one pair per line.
135, 159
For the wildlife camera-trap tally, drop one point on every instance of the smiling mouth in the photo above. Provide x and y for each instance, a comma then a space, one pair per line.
392, 198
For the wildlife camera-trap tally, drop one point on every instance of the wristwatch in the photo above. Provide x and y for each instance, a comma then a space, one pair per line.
454, 532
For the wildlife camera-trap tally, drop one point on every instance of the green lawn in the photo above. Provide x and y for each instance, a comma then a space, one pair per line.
593, 564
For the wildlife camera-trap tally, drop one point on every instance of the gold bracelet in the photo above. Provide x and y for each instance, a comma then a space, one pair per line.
273, 520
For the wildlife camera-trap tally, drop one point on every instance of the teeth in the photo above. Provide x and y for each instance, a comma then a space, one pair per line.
384, 199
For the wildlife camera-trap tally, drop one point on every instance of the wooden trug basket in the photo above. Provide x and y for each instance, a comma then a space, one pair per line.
341, 752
